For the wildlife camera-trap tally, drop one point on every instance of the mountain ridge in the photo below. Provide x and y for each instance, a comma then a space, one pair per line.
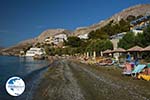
136, 10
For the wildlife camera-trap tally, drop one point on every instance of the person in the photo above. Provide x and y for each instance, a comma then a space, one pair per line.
148, 65
136, 61
128, 58
127, 68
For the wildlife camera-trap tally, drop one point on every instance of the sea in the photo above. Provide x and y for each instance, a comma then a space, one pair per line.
28, 69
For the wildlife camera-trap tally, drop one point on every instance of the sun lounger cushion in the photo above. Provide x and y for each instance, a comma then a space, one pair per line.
138, 68
145, 77
148, 65
127, 72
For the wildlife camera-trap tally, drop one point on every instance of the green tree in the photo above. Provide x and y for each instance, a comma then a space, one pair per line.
73, 41
124, 25
146, 36
110, 29
141, 39
107, 45
99, 45
127, 41
98, 34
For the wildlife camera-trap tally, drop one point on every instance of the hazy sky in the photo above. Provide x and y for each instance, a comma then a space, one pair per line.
23, 19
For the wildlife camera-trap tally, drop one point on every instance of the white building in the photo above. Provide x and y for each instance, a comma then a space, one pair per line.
83, 36
59, 38
118, 35
56, 39
115, 39
33, 51
137, 31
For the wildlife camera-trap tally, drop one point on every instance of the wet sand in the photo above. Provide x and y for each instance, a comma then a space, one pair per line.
71, 80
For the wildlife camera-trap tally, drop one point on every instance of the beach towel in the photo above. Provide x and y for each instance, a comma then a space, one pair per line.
138, 68
145, 77
128, 69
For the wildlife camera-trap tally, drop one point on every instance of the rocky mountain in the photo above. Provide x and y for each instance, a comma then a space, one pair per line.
15, 50
135, 10
51, 33
1, 48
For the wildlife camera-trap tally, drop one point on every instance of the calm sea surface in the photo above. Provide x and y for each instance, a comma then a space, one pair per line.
26, 68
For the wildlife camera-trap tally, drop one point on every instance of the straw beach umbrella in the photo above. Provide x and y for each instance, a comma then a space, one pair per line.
147, 48
119, 50
107, 51
117, 53
135, 49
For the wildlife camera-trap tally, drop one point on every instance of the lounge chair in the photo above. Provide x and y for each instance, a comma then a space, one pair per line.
148, 65
145, 77
127, 69
138, 69
127, 72
113, 62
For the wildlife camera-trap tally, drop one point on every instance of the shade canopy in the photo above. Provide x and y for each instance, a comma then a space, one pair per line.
135, 49
119, 50
147, 48
107, 51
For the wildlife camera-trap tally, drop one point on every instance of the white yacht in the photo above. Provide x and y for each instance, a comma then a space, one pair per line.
35, 51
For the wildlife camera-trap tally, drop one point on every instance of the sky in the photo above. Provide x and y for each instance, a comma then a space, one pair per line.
25, 19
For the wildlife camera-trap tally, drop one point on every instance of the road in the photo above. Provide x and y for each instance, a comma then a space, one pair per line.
70, 80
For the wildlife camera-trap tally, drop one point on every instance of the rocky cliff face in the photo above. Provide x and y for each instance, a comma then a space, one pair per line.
135, 10
51, 33
15, 50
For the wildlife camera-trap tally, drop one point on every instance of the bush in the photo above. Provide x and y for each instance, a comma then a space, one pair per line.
99, 45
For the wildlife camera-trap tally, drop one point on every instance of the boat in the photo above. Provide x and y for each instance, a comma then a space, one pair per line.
35, 51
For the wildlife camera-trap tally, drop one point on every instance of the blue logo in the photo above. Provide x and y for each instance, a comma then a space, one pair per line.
15, 86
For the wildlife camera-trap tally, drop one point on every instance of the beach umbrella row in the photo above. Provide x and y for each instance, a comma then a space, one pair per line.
107, 51
147, 48
139, 49
133, 49
120, 50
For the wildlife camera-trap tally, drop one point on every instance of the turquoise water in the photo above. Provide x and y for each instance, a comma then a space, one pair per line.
16, 66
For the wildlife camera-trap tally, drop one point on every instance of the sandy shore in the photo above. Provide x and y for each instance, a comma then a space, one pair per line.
70, 80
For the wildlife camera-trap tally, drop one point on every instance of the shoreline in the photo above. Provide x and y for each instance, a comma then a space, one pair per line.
64, 75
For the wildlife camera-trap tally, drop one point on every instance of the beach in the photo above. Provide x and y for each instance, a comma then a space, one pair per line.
72, 80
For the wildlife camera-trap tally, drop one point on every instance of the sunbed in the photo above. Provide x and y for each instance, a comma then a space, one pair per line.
138, 69
145, 77
127, 69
